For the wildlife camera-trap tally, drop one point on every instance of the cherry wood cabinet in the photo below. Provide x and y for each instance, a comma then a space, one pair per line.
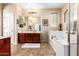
21, 37
28, 37
5, 49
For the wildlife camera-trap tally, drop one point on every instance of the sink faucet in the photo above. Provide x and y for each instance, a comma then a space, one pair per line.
53, 37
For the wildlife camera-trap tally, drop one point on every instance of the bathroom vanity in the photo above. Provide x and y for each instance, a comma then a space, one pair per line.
29, 37
5, 46
29, 28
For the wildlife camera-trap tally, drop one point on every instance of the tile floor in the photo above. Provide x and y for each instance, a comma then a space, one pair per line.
44, 50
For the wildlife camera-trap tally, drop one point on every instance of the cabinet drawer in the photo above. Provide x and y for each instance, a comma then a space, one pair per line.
21, 40
21, 37
22, 34
36, 38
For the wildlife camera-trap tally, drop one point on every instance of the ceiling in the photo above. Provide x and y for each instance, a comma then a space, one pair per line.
42, 5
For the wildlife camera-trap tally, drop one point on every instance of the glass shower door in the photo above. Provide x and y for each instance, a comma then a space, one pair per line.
73, 29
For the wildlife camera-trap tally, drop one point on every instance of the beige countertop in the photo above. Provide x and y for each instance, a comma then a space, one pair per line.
2, 37
29, 32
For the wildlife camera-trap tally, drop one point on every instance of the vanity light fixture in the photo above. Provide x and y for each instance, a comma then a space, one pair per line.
32, 12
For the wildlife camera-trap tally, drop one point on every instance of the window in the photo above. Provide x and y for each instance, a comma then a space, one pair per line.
54, 20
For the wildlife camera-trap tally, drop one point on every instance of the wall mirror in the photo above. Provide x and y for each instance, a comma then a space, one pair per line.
45, 22
30, 23
22, 21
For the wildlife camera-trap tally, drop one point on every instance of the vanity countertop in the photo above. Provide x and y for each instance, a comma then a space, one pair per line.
2, 37
29, 32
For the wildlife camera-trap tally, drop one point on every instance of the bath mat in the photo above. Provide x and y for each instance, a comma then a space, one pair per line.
31, 45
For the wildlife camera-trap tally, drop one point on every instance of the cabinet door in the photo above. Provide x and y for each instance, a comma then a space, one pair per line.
29, 38
22, 37
32, 38
36, 38
5, 48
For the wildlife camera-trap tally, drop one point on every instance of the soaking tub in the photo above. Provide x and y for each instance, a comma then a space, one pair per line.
58, 41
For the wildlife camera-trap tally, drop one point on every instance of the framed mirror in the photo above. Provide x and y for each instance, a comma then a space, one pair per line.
22, 21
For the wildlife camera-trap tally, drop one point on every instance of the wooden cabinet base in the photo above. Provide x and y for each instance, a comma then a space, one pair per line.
28, 37
5, 49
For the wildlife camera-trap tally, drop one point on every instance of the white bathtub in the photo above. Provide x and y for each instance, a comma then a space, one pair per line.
59, 42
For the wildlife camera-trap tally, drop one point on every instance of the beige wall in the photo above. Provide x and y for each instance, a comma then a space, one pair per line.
66, 7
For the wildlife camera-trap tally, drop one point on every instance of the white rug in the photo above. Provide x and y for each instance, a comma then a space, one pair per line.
31, 45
